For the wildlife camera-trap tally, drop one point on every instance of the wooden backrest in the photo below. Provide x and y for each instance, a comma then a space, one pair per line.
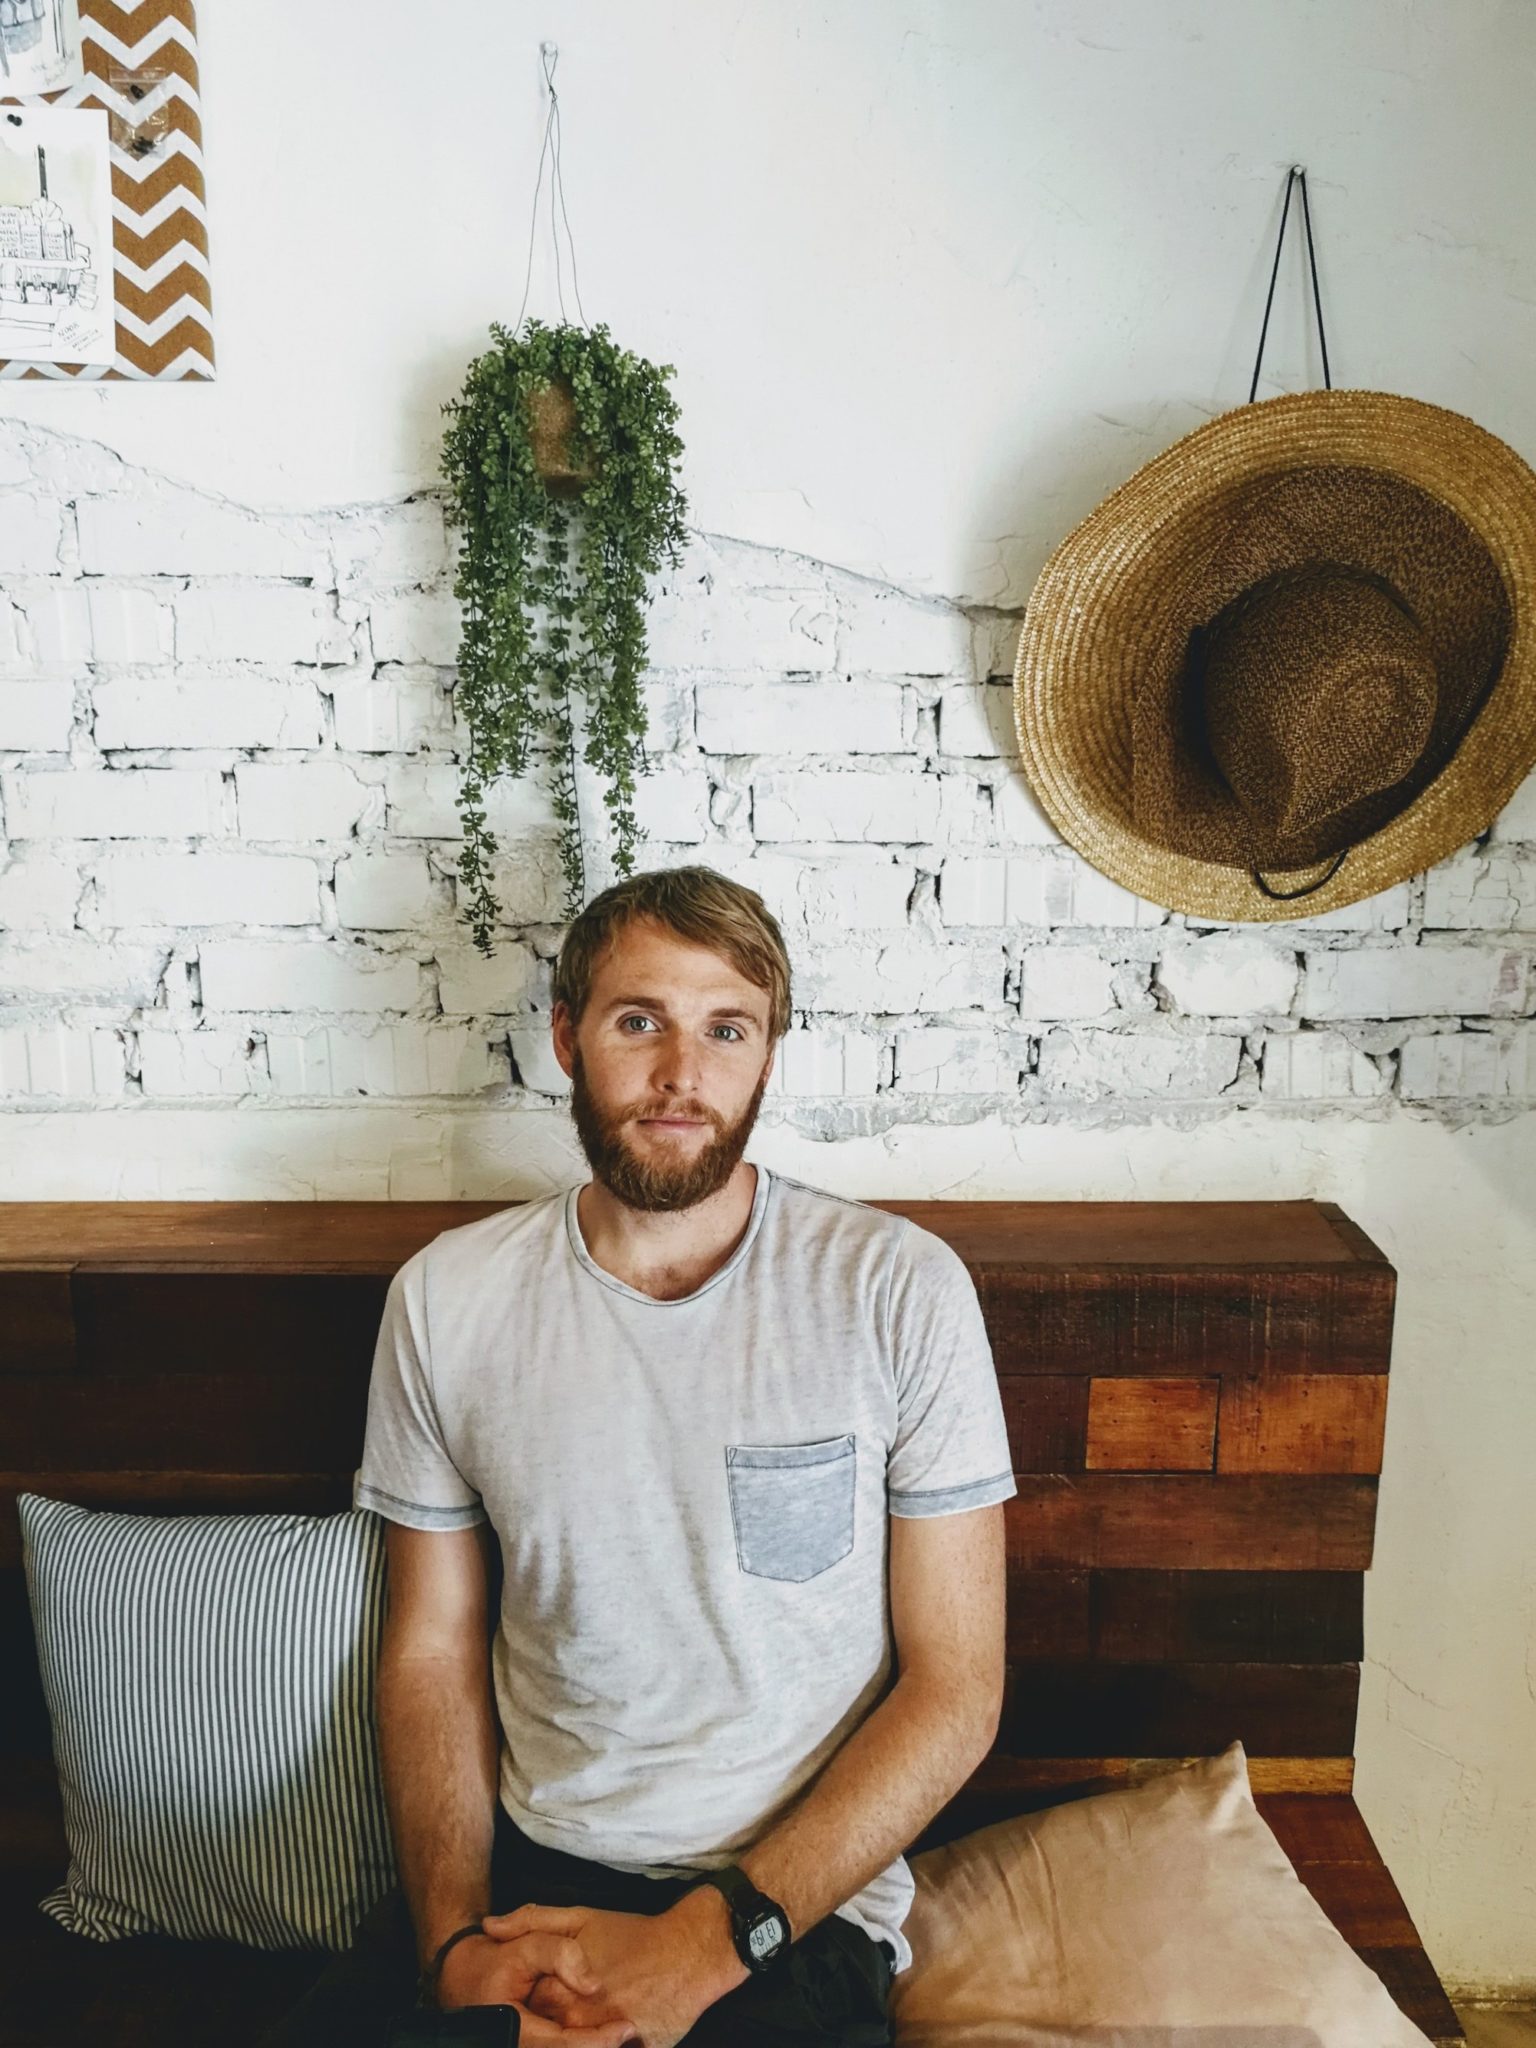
1195, 1394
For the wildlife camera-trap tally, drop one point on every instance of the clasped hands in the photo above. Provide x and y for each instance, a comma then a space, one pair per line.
583, 1977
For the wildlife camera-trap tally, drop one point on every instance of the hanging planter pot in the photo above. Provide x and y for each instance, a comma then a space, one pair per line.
553, 431
561, 461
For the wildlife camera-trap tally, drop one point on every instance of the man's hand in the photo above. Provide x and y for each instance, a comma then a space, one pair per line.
481, 1970
660, 1970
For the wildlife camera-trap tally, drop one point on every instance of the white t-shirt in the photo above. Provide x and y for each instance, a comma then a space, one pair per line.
691, 1498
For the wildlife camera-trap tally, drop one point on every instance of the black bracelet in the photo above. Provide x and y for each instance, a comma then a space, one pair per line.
426, 1983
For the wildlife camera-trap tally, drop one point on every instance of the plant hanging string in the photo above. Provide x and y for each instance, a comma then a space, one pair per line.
568, 785
550, 54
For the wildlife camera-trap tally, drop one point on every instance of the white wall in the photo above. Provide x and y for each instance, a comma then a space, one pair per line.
933, 279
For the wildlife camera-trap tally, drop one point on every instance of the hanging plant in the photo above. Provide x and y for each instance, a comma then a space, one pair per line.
561, 463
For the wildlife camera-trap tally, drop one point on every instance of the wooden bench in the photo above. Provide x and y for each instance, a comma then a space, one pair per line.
1196, 1395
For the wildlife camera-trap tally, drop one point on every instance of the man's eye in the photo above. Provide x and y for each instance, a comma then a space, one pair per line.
729, 1027
634, 1020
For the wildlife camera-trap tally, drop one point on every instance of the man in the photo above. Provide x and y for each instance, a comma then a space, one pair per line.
739, 1445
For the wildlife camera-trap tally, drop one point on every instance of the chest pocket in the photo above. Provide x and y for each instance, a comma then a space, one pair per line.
791, 1506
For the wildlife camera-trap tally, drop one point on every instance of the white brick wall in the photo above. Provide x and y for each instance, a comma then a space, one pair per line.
229, 836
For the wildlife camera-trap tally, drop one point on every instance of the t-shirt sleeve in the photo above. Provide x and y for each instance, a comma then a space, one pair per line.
951, 1447
407, 1474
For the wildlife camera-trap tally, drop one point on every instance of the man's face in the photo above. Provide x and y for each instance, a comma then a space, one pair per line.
670, 1068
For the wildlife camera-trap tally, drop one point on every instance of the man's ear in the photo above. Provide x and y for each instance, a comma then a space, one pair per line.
562, 1035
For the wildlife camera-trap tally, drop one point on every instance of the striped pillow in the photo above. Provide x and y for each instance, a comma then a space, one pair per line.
210, 1680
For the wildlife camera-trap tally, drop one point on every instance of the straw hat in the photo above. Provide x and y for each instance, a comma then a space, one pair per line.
1291, 657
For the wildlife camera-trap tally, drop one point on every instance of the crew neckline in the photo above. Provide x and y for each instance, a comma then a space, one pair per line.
617, 1286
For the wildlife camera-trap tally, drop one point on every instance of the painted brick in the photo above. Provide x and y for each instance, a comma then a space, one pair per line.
205, 711
935, 1061
1413, 981
385, 892
278, 974
1065, 981
390, 710
1093, 1065
886, 630
1018, 819
30, 532
869, 808
144, 889
185, 533
267, 622
788, 630
1037, 889
390, 544
816, 1062
668, 702
1517, 820
209, 1062
127, 624
56, 1060
1318, 1066
423, 803
303, 800
38, 891
1493, 892
1226, 975
395, 1060
672, 803
111, 803
534, 1053
895, 979
469, 985
55, 627
79, 969
1461, 1064
416, 625
976, 719
828, 717
36, 713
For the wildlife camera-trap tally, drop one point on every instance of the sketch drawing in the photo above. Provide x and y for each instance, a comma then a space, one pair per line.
39, 45
55, 226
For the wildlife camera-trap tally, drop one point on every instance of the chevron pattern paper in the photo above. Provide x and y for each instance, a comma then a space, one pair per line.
164, 307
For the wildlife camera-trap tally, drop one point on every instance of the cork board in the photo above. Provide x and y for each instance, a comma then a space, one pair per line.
141, 67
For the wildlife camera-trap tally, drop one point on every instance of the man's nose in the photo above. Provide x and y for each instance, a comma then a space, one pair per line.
677, 1066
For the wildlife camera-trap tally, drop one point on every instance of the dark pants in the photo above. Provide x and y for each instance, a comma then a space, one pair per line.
831, 1989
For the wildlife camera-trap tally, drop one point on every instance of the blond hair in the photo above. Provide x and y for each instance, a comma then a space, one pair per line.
698, 904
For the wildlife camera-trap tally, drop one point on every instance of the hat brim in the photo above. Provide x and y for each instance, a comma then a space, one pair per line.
1112, 594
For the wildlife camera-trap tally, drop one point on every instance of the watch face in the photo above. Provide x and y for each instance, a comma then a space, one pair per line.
765, 1937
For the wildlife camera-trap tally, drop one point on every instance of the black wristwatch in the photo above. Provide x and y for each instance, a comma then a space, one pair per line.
759, 1925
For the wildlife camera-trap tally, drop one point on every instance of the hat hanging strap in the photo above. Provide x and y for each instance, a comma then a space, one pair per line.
1296, 174
1287, 895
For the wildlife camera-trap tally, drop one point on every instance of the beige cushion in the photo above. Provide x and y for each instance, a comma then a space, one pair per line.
1165, 1915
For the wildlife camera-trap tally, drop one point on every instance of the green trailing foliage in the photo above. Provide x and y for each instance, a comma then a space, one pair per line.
552, 576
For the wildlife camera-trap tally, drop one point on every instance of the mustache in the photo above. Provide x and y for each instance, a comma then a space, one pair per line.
695, 1112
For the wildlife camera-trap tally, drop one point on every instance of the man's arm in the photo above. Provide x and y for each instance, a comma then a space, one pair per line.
912, 1752
439, 1739
909, 1755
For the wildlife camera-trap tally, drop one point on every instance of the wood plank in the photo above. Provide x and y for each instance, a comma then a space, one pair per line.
1153, 1425
37, 1323
1286, 1617
1410, 1978
1046, 1416
1113, 1321
302, 1327
1302, 1422
377, 1236
1065, 1709
1201, 1521
228, 1422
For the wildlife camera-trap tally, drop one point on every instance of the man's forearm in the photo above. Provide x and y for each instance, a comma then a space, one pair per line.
874, 1796
438, 1750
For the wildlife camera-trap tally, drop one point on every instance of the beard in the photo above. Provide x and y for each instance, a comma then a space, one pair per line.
660, 1182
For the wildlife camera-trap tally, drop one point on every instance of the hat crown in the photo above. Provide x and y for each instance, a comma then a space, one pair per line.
1319, 687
